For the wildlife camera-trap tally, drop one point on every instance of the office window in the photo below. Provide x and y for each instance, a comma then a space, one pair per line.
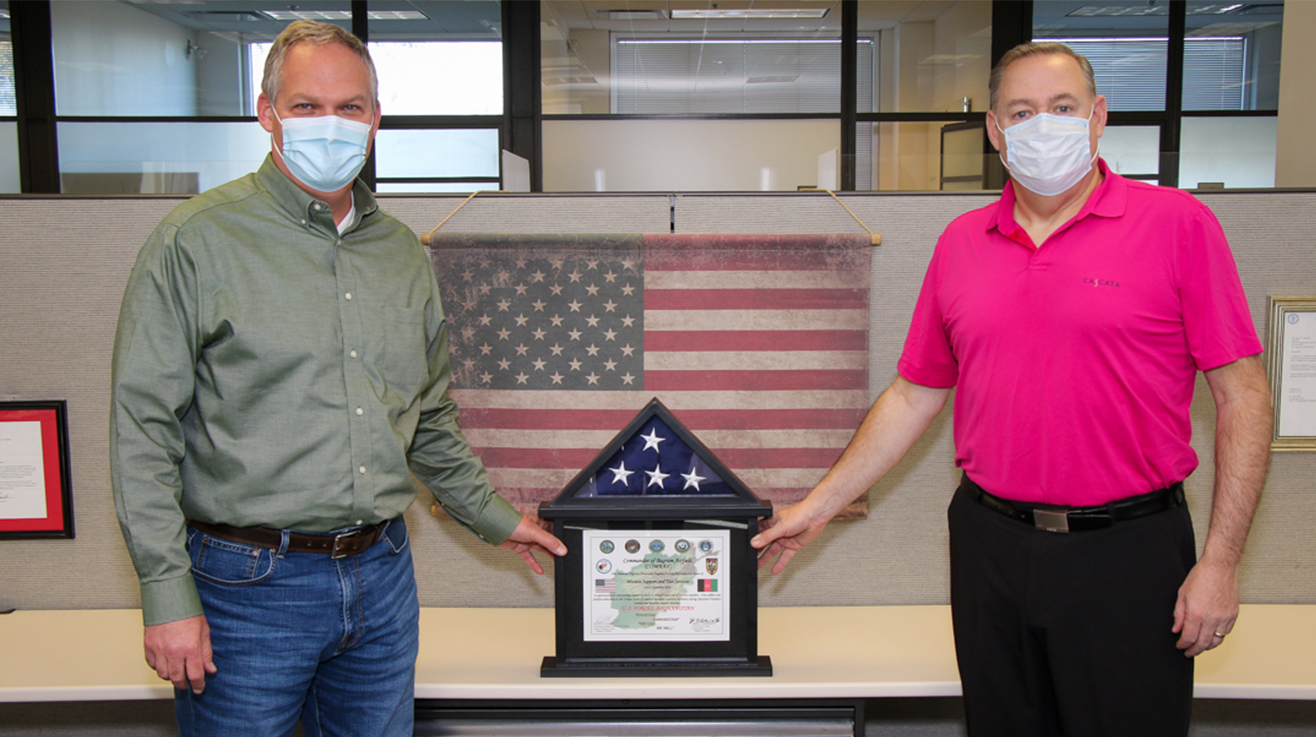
1213, 71
1243, 75
1126, 41
440, 68
933, 57
425, 77
170, 62
731, 75
10, 178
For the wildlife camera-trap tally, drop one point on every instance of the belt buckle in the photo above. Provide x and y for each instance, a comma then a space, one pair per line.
334, 553
1050, 521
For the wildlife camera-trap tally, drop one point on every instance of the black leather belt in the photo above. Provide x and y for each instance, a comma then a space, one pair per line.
1052, 518
340, 545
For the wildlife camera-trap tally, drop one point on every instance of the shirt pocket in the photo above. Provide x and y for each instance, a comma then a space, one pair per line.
399, 361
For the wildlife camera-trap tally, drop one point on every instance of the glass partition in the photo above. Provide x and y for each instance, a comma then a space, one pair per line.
630, 155
157, 158
1228, 152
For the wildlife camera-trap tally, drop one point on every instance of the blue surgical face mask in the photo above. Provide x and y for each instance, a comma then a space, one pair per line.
1047, 154
325, 153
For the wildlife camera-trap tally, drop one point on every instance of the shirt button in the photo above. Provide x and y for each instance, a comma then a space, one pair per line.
360, 522
362, 469
303, 222
317, 206
360, 411
352, 354
348, 296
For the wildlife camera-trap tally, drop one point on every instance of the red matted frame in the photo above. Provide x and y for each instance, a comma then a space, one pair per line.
52, 419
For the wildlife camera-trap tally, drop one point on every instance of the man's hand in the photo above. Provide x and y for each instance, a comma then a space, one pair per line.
530, 535
180, 652
1207, 607
1208, 599
785, 534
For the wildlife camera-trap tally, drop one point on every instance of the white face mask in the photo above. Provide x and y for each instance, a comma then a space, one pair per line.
1047, 154
325, 153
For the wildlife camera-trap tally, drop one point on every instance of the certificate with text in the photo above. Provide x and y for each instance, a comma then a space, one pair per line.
1297, 385
656, 585
22, 471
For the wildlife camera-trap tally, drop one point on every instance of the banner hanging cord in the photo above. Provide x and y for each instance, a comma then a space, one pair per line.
877, 239
425, 239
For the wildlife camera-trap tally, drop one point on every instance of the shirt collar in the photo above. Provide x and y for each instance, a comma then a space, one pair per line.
1107, 200
299, 203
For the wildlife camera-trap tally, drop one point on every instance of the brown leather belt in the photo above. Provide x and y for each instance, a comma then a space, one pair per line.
339, 545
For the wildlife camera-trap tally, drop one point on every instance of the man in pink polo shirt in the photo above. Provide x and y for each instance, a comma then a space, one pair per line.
1073, 315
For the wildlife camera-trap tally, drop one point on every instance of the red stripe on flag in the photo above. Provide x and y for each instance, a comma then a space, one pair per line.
578, 458
695, 419
755, 340
755, 299
752, 380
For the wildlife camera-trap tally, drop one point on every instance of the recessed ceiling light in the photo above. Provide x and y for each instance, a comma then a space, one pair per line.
309, 14
624, 14
1105, 11
396, 15
324, 15
709, 13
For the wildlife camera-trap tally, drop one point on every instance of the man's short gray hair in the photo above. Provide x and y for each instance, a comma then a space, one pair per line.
320, 34
1036, 49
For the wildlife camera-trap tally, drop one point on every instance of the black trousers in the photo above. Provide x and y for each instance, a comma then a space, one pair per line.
1069, 634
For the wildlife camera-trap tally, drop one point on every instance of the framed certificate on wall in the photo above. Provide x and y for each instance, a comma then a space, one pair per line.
1291, 354
36, 500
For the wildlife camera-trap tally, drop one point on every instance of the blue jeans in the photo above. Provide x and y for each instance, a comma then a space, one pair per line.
333, 642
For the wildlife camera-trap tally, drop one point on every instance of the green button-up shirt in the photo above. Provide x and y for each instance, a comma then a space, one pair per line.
271, 372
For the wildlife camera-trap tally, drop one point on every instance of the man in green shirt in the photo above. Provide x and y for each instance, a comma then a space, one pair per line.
280, 372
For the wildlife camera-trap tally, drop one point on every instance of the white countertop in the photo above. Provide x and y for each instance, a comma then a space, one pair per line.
817, 652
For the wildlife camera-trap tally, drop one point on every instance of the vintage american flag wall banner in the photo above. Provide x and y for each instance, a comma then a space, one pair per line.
759, 343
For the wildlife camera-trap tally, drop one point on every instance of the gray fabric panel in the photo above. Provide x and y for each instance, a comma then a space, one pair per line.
522, 213
63, 264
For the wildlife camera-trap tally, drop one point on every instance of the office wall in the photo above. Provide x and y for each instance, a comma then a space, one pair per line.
63, 263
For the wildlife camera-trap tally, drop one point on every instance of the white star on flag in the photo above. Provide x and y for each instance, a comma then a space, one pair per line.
620, 474
652, 440
656, 476
692, 479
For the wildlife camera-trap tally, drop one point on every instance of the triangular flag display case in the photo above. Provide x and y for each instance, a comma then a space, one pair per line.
659, 578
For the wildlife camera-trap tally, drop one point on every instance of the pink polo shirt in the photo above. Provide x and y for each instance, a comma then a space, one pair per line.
1075, 362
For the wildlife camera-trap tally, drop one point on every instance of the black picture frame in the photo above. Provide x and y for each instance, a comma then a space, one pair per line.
737, 512
51, 417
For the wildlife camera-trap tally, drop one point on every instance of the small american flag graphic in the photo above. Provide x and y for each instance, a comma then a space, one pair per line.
760, 343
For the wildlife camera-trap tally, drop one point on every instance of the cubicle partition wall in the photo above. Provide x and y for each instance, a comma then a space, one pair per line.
64, 262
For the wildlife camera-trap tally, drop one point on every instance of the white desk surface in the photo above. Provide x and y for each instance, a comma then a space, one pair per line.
817, 652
